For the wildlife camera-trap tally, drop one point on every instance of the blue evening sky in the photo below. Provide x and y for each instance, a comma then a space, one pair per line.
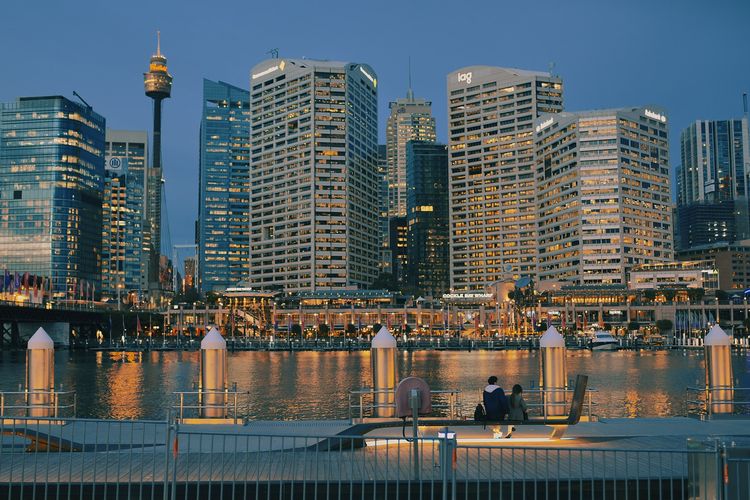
690, 57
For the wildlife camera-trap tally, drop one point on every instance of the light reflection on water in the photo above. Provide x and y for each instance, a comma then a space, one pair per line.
315, 385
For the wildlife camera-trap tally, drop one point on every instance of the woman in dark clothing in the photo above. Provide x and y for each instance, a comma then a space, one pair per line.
495, 402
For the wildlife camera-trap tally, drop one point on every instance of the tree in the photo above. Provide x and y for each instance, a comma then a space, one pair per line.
633, 325
351, 329
695, 294
721, 295
649, 294
664, 325
297, 330
669, 295
323, 330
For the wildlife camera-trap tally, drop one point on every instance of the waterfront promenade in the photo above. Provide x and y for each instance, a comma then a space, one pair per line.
134, 459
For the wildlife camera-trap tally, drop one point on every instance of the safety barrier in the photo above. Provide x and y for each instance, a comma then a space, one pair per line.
82, 458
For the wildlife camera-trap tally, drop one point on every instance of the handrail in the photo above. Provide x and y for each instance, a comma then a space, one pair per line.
453, 405
232, 405
705, 399
54, 402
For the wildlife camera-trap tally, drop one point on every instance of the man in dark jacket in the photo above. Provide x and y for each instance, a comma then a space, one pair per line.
495, 402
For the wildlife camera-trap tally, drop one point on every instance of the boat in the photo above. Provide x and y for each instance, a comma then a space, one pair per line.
603, 341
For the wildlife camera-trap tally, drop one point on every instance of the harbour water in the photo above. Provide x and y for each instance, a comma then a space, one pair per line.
315, 385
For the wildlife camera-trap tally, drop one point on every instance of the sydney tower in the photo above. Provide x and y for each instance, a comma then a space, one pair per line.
158, 84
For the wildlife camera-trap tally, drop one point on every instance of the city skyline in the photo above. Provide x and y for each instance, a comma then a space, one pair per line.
708, 43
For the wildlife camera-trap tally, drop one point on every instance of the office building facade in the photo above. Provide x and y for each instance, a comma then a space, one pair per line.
51, 183
428, 261
224, 187
712, 183
603, 198
410, 120
731, 260
314, 180
715, 157
385, 264
492, 184
126, 238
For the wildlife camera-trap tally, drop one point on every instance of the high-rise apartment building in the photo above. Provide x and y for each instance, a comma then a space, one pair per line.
428, 261
712, 183
51, 183
224, 194
603, 197
492, 185
126, 239
410, 120
314, 180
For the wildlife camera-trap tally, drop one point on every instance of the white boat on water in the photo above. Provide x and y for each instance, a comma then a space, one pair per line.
603, 341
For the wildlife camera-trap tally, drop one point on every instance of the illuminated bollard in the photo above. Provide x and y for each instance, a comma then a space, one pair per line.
40, 375
213, 378
553, 373
383, 352
719, 379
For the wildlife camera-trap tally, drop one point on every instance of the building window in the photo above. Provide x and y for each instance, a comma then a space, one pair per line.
17, 195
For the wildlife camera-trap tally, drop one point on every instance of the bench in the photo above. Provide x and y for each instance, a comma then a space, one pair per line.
559, 424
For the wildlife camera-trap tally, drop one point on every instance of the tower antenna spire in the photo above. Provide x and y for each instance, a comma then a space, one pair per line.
158, 42
410, 92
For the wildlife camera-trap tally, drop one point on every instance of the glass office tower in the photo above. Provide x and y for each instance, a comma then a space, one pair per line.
428, 264
223, 231
51, 183
712, 197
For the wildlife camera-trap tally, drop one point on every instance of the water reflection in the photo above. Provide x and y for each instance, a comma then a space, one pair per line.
315, 385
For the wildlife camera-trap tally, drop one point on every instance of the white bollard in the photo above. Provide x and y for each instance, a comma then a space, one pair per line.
383, 352
553, 373
719, 377
40, 375
213, 376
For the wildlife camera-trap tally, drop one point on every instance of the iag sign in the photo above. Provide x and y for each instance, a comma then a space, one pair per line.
465, 78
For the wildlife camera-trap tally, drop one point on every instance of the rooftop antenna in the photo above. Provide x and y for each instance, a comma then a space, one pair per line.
274, 53
552, 69
158, 43
82, 100
744, 104
410, 92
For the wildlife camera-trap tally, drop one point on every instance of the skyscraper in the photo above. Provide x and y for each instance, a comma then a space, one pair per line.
428, 262
158, 86
603, 198
410, 120
313, 171
51, 183
492, 186
712, 203
715, 157
385, 264
126, 239
224, 194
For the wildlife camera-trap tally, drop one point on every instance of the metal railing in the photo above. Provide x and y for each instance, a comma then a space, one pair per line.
18, 404
705, 402
190, 404
540, 401
362, 402
84, 458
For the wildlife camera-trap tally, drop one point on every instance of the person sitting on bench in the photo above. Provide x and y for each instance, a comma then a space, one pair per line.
495, 402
